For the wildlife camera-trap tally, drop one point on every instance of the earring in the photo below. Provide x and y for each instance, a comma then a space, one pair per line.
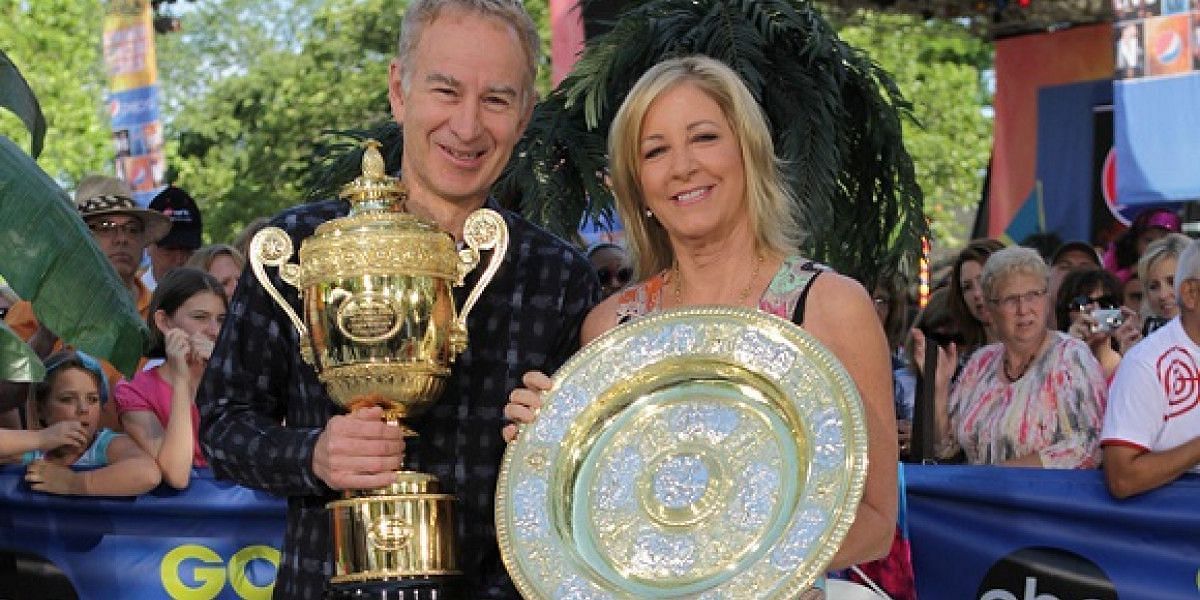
649, 214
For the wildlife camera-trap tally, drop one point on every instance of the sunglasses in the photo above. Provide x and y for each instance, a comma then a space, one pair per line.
1081, 302
108, 229
619, 276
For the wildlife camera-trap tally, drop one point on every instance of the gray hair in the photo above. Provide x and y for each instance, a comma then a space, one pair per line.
1010, 261
420, 13
1188, 266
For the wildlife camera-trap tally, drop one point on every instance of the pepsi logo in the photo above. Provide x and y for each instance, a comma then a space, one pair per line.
1168, 47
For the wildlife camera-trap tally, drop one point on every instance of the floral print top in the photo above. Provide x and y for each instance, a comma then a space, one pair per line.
1055, 409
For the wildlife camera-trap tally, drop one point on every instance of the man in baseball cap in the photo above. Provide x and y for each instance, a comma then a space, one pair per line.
178, 245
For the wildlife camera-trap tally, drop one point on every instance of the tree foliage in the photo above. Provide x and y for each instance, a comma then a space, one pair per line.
56, 44
937, 64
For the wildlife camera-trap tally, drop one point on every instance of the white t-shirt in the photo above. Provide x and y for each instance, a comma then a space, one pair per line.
1154, 400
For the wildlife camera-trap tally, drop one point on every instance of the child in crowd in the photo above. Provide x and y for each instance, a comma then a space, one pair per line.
67, 405
157, 407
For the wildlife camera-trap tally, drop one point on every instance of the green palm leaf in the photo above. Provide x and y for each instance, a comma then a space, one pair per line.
15, 95
49, 258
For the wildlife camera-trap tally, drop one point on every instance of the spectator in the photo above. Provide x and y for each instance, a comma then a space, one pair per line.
1045, 243
612, 267
174, 249
1132, 293
1033, 399
966, 298
222, 261
1109, 335
1156, 270
891, 307
67, 406
1067, 258
1123, 255
157, 407
121, 229
1151, 432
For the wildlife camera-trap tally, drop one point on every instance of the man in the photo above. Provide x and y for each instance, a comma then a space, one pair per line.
462, 86
121, 229
174, 249
1151, 431
1070, 256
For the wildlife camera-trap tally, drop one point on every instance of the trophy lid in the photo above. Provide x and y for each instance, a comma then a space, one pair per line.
374, 189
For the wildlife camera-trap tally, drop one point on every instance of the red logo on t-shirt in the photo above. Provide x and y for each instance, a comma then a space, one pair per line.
1180, 380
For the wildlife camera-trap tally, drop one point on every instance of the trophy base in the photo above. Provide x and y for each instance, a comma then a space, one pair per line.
448, 587
399, 534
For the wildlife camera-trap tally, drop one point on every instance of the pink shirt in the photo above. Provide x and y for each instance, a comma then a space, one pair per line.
149, 391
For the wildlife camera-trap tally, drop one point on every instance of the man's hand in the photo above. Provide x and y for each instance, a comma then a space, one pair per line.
358, 451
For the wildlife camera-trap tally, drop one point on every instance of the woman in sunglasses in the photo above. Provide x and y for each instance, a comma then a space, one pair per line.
612, 267
1089, 308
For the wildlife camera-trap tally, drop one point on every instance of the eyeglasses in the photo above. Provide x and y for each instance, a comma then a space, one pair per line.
1012, 301
619, 276
107, 229
1082, 302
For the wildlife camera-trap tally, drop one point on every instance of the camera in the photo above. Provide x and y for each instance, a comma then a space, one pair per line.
1107, 320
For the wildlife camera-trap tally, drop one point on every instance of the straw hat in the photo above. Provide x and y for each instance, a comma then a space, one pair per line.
100, 195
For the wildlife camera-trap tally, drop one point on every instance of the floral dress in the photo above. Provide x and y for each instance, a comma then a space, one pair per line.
1055, 409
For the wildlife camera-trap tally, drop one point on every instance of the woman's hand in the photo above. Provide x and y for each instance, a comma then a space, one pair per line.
50, 478
524, 403
1084, 327
178, 346
63, 433
202, 349
1130, 331
947, 359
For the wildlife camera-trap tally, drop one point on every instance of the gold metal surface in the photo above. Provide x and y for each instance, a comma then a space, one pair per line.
701, 452
379, 324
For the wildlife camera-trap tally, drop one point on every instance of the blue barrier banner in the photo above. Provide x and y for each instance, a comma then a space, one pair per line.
993, 533
213, 540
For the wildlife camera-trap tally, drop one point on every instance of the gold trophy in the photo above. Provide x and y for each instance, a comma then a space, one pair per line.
380, 327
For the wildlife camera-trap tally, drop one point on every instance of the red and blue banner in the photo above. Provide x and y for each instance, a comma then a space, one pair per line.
132, 65
1157, 101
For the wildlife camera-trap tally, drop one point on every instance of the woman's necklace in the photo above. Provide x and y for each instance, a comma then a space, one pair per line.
741, 297
1024, 367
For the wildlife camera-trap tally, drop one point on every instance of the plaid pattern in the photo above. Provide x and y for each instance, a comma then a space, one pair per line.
528, 318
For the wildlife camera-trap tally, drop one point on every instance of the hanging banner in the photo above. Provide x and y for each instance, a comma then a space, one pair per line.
213, 540
132, 67
1157, 101
994, 533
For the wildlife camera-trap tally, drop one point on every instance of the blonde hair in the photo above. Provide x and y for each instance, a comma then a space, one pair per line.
771, 203
1168, 246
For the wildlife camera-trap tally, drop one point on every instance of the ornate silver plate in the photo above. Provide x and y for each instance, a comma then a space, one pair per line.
708, 453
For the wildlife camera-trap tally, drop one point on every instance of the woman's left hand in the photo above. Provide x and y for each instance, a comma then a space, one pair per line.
51, 478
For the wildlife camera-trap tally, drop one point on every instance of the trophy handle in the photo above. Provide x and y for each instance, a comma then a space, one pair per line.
272, 247
484, 230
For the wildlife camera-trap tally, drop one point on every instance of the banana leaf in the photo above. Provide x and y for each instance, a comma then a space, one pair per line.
49, 258
18, 362
15, 95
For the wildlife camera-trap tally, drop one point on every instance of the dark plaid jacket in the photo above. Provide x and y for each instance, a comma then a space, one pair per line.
528, 318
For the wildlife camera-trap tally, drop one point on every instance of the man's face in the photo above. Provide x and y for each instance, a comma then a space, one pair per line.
121, 238
165, 258
463, 110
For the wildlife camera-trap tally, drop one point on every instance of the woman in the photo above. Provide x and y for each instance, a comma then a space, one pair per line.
708, 221
1156, 270
1081, 295
157, 407
1148, 226
966, 298
67, 404
222, 261
612, 267
1033, 399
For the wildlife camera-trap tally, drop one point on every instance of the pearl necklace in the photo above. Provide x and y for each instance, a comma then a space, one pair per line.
741, 297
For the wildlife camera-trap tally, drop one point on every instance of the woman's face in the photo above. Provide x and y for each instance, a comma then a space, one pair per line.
1097, 298
1019, 307
1131, 294
612, 267
74, 396
1160, 288
883, 304
225, 270
690, 166
203, 313
968, 280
